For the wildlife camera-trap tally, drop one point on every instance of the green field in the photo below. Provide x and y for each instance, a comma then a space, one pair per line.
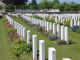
5, 49
69, 51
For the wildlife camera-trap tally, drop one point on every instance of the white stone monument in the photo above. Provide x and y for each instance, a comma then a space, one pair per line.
71, 23
54, 29
41, 50
28, 36
34, 39
62, 32
51, 53
21, 32
66, 59
50, 26
66, 34
58, 28
24, 33
47, 26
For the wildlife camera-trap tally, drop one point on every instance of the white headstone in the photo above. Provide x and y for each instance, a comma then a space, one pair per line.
62, 32
58, 28
47, 26
41, 50
78, 23
51, 54
19, 29
56, 20
50, 26
34, 39
54, 29
71, 23
66, 34
75, 22
24, 33
66, 59
28, 36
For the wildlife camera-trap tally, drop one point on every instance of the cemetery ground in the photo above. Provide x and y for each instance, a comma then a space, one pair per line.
5, 49
63, 51
71, 51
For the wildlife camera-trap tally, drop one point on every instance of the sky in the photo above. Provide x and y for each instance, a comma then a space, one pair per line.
76, 1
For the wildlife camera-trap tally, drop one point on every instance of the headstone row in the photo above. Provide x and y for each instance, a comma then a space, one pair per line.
51, 50
21, 31
60, 18
49, 26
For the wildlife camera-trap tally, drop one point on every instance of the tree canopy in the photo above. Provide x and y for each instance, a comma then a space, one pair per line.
47, 4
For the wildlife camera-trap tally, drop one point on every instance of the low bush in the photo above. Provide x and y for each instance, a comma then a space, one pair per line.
23, 49
39, 28
12, 33
67, 23
71, 42
1, 17
75, 28
52, 36
61, 42
49, 19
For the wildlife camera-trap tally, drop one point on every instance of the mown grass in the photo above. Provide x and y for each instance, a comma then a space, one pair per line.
5, 49
63, 51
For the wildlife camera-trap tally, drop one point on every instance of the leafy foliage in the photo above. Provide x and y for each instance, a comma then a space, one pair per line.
1, 7
10, 8
33, 4
49, 19
12, 33
23, 49
67, 23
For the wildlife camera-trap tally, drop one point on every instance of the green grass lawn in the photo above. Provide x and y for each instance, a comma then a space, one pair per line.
5, 49
63, 51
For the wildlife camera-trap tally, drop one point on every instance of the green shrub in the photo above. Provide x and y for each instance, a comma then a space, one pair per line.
52, 36
12, 33
1, 17
61, 42
49, 19
23, 49
12, 30
70, 42
67, 23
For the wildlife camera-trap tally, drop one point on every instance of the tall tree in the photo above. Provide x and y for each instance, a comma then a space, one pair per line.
17, 2
33, 4
43, 4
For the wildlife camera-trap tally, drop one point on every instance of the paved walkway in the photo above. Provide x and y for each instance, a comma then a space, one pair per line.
5, 50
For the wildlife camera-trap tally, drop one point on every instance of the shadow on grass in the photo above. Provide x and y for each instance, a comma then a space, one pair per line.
1, 17
71, 42
46, 59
